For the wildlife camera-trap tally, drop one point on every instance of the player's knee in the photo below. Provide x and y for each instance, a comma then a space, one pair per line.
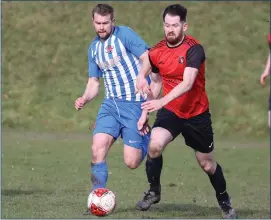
208, 166
98, 153
132, 157
155, 148
131, 163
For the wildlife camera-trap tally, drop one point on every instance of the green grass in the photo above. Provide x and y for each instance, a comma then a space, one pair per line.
47, 176
45, 61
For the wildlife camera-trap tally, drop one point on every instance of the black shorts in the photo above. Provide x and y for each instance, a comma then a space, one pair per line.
197, 131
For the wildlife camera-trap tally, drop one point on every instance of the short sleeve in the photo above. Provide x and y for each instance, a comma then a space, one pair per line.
195, 56
132, 41
155, 69
93, 68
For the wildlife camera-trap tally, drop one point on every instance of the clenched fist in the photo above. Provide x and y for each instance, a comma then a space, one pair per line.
79, 103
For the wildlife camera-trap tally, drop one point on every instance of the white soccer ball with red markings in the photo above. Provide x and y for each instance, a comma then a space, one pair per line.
101, 202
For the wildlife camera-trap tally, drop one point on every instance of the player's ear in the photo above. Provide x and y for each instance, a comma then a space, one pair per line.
185, 27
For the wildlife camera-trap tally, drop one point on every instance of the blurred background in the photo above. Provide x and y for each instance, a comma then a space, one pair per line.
45, 64
46, 141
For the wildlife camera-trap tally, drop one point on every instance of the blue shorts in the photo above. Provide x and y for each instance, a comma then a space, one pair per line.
119, 118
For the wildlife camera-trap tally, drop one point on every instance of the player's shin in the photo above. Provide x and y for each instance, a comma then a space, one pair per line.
99, 175
153, 170
219, 183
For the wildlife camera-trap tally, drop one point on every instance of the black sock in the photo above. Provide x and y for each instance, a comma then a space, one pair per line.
219, 183
153, 170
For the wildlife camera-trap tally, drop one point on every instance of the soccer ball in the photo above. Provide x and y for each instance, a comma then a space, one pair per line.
101, 202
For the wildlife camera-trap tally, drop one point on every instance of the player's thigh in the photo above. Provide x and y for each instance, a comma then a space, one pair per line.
166, 128
129, 112
198, 133
135, 145
106, 131
160, 138
107, 121
132, 156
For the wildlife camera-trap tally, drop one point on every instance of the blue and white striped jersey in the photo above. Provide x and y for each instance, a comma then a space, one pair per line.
117, 61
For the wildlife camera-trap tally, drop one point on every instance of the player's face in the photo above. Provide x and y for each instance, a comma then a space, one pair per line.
174, 29
103, 25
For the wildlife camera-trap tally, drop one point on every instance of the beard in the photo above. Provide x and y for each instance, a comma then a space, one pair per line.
174, 39
103, 35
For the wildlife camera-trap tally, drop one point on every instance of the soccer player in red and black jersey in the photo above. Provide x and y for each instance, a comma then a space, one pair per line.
264, 75
179, 62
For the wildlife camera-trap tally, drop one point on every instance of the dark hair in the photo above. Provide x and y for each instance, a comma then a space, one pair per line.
176, 10
103, 9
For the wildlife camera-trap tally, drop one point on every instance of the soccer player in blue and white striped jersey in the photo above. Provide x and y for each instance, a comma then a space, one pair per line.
117, 55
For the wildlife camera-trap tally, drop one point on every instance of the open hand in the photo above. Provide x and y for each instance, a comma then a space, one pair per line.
143, 125
152, 105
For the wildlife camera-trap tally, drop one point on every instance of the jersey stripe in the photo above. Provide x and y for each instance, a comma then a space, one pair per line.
130, 68
123, 70
107, 73
111, 73
137, 69
115, 69
162, 43
189, 41
107, 82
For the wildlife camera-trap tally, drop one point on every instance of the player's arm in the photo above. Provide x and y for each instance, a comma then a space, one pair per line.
141, 81
146, 66
189, 77
155, 90
92, 89
267, 65
195, 56
156, 85
94, 74
93, 84
266, 71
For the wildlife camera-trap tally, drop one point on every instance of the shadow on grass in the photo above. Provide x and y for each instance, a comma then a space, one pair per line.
18, 192
190, 211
